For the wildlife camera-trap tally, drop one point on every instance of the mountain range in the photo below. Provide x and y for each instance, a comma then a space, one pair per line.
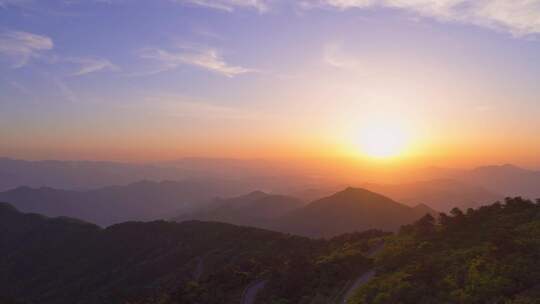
439, 194
145, 200
507, 180
256, 209
87, 175
352, 209
270, 176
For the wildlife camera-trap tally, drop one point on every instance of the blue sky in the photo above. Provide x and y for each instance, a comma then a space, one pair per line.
164, 79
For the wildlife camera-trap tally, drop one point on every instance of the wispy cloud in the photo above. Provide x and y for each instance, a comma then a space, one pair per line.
188, 107
519, 17
205, 58
8, 3
20, 87
333, 55
229, 5
339, 4
21, 47
91, 65
65, 90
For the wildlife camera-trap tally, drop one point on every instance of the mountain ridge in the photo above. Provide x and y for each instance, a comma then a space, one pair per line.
352, 209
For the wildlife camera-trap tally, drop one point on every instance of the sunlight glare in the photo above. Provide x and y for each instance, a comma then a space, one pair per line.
383, 139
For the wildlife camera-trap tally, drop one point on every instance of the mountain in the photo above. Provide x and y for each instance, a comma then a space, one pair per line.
256, 209
439, 194
64, 261
81, 174
507, 180
271, 176
352, 209
143, 200
486, 255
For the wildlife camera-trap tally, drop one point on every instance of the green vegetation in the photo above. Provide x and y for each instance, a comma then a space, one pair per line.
60, 260
487, 255
320, 276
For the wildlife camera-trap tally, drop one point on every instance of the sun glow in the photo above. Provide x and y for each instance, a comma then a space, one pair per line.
383, 139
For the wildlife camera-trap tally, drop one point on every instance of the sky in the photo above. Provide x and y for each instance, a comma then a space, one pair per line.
139, 80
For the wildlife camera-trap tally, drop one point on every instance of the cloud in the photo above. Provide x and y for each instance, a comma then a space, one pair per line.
91, 65
8, 3
339, 4
205, 58
334, 56
21, 46
188, 107
519, 17
65, 90
229, 5
20, 87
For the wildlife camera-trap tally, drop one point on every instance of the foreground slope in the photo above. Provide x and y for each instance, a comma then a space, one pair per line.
63, 260
488, 255
352, 209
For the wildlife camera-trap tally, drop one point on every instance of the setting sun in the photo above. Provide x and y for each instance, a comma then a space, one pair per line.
383, 139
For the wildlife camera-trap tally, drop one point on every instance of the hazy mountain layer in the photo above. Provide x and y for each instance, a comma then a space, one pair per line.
257, 209
85, 175
440, 194
138, 201
508, 180
352, 209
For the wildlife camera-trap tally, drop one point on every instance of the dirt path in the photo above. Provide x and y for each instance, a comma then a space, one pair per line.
365, 277
250, 293
198, 269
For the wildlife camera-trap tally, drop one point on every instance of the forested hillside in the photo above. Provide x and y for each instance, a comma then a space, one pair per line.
487, 255
62, 260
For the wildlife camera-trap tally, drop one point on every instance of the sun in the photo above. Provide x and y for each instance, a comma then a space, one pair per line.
383, 139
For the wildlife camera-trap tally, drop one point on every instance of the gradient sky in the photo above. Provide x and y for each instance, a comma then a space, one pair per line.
163, 79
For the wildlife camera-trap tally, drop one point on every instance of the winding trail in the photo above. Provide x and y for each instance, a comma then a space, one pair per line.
365, 277
250, 293
198, 269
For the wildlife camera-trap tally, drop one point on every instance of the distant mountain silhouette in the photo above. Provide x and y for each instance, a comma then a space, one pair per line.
64, 261
269, 176
423, 209
76, 175
143, 200
507, 180
352, 209
254, 209
439, 194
